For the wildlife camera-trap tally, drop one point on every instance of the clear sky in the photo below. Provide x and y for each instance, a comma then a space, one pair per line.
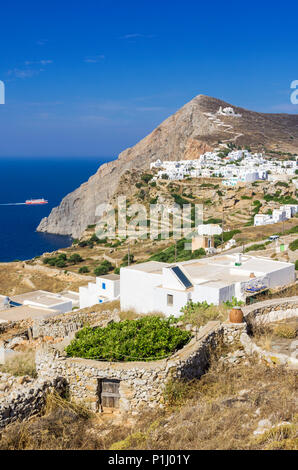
90, 78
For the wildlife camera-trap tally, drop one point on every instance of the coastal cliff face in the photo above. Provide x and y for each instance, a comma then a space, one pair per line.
191, 131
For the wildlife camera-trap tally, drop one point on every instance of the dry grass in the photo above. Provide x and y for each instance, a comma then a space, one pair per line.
219, 411
224, 407
22, 364
291, 291
199, 315
101, 307
131, 314
285, 331
14, 280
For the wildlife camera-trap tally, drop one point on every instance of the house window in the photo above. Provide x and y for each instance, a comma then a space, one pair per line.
103, 285
170, 300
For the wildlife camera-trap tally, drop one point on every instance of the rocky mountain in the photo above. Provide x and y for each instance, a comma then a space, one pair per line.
191, 131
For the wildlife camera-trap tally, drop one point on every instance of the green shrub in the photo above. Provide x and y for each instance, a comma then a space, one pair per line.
168, 255
83, 243
131, 258
60, 263
256, 247
294, 245
293, 230
179, 199
148, 338
199, 313
84, 269
103, 268
233, 303
146, 177
75, 258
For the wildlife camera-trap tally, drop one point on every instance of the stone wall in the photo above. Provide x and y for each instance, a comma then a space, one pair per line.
62, 325
284, 306
22, 397
141, 383
271, 357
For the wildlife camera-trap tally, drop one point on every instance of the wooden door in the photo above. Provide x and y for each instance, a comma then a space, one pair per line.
110, 393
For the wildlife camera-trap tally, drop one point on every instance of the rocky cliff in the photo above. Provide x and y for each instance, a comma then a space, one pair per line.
191, 131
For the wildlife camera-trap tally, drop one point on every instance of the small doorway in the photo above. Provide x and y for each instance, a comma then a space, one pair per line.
108, 393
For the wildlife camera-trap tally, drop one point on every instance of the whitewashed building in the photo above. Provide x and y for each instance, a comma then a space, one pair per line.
105, 288
166, 288
43, 299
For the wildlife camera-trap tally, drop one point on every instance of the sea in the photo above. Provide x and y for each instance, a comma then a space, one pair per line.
26, 178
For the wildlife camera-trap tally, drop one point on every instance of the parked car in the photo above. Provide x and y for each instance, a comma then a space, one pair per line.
273, 237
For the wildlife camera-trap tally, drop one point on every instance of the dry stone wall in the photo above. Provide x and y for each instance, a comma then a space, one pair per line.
277, 309
141, 383
62, 325
22, 397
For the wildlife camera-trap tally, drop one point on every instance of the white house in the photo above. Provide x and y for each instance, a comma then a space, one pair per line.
106, 288
262, 219
278, 215
43, 299
164, 287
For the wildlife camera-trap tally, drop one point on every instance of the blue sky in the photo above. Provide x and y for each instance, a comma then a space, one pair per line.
92, 78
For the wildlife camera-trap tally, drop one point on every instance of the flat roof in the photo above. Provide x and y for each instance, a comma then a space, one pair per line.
70, 295
218, 270
39, 296
154, 267
25, 312
111, 277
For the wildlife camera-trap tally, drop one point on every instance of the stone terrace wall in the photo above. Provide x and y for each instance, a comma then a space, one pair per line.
141, 383
22, 397
62, 325
278, 309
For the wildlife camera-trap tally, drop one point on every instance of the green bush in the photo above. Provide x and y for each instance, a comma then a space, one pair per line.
199, 313
75, 258
294, 245
60, 263
83, 243
293, 230
131, 258
103, 268
168, 255
179, 199
256, 247
146, 339
146, 177
84, 269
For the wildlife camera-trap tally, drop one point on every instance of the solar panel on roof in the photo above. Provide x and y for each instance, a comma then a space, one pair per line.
181, 276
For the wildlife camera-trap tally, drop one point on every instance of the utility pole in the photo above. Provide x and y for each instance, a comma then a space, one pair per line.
128, 254
175, 251
222, 226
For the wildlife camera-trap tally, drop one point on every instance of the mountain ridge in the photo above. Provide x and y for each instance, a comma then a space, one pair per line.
192, 130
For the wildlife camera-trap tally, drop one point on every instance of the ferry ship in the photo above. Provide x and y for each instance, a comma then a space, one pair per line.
36, 201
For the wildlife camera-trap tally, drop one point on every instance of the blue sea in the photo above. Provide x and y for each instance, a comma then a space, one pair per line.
22, 179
